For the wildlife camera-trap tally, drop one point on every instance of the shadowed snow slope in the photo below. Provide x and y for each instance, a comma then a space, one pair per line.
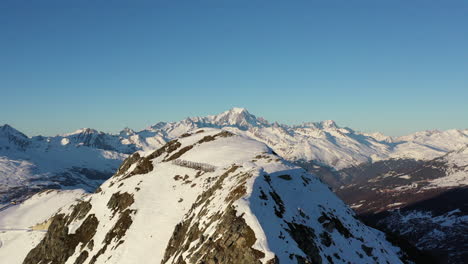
253, 208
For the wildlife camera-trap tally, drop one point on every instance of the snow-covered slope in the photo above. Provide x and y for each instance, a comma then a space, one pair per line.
77, 160
22, 226
211, 197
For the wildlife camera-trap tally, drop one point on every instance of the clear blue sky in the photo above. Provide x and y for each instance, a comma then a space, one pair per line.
389, 66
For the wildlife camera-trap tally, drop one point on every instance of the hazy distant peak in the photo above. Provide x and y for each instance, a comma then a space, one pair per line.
126, 132
7, 130
237, 116
238, 110
86, 131
326, 124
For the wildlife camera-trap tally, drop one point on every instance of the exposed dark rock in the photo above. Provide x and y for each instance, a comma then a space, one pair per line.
170, 147
263, 195
367, 250
211, 138
305, 239
80, 210
302, 260
116, 233
325, 239
279, 205
224, 134
285, 177
120, 201
330, 223
274, 260
82, 257
127, 163
206, 139
120, 227
231, 242
203, 198
144, 166
58, 245
179, 153
232, 239
267, 178
305, 180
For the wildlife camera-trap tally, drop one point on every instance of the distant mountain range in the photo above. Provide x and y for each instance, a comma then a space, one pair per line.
377, 175
209, 196
86, 157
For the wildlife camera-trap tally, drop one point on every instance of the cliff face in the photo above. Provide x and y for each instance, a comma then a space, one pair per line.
211, 197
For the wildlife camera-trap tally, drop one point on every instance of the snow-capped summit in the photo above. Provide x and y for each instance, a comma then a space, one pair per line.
9, 130
126, 132
211, 197
82, 131
327, 125
235, 117
239, 117
12, 138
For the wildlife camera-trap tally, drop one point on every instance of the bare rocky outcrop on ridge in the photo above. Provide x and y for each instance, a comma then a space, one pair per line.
58, 244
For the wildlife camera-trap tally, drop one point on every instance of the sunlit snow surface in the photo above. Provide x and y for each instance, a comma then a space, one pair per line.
163, 200
16, 236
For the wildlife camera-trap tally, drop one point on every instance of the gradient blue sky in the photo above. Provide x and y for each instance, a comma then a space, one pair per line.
390, 66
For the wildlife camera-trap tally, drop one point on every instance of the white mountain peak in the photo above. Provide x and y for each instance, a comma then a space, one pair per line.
238, 110
85, 131
329, 124
126, 132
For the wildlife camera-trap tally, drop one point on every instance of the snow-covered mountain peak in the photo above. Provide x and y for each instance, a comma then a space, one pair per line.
328, 124
82, 131
211, 197
12, 138
7, 131
126, 132
235, 117
238, 110
322, 125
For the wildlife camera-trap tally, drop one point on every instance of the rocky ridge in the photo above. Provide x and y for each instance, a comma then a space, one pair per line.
254, 208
